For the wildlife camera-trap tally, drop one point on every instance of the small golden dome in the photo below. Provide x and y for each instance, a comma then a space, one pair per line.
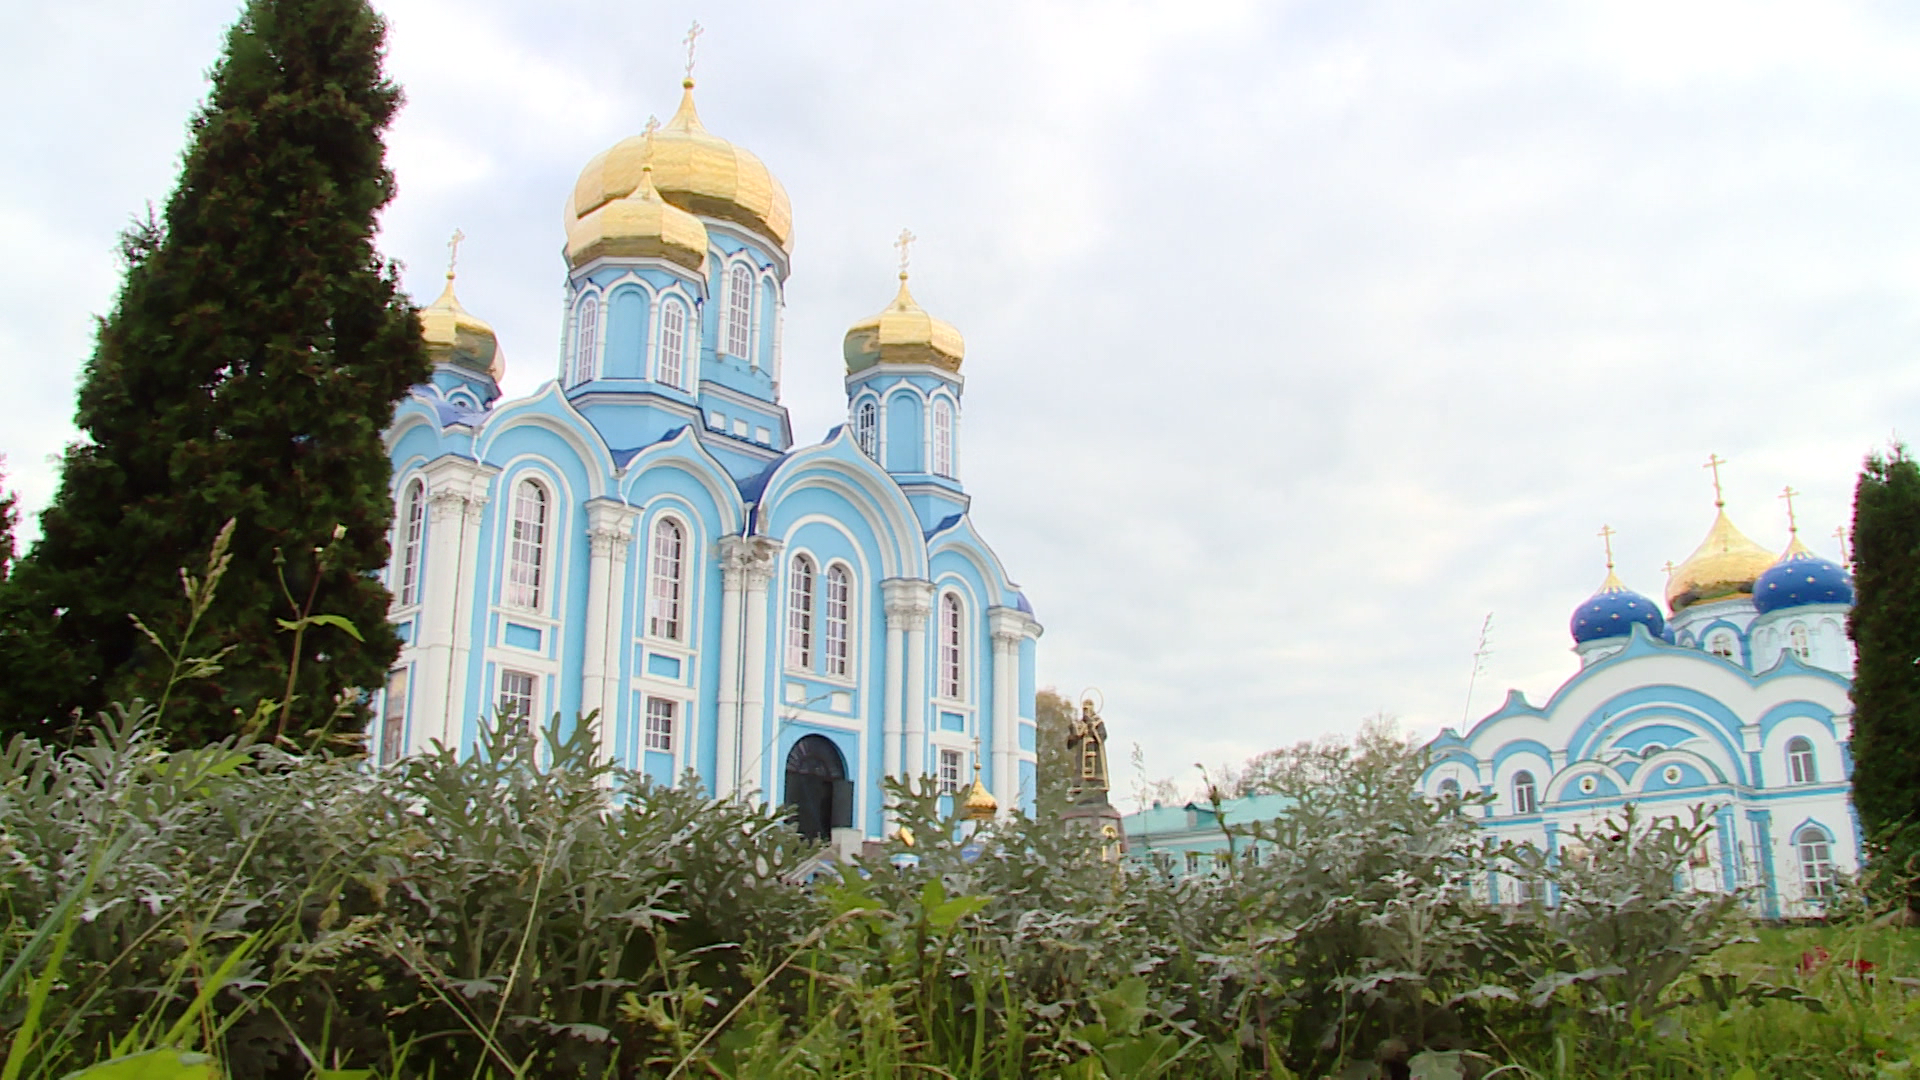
903, 334
1724, 565
980, 804
696, 171
641, 225
456, 336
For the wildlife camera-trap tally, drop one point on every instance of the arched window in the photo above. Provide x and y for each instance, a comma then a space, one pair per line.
951, 637
673, 344
413, 521
1525, 796
866, 428
839, 620
1800, 767
1449, 788
1720, 644
586, 340
739, 311
527, 547
800, 613
667, 587
1816, 862
1797, 638
942, 437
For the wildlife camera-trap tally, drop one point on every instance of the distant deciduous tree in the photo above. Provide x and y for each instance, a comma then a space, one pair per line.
1885, 627
1052, 714
1378, 750
248, 367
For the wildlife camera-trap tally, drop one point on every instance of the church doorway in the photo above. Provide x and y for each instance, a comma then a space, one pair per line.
817, 788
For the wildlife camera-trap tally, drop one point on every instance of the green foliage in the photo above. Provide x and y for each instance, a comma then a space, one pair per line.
1884, 625
251, 359
1053, 716
531, 910
9, 518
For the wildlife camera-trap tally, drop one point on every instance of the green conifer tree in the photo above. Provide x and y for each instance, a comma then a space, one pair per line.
1885, 627
9, 517
253, 356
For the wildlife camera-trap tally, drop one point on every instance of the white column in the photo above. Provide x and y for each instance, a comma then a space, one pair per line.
754, 731
470, 565
1009, 629
726, 739
608, 526
432, 688
914, 602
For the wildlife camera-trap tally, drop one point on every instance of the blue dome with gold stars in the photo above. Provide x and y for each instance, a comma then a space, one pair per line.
1800, 578
1612, 611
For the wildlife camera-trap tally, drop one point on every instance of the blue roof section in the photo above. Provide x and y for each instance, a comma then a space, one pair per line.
446, 413
1800, 579
624, 458
1612, 612
1170, 821
754, 486
1021, 603
946, 523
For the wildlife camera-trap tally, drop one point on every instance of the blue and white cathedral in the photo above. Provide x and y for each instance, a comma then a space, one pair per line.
1736, 700
642, 539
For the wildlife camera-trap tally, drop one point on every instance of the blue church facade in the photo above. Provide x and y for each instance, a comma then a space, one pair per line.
1735, 699
642, 539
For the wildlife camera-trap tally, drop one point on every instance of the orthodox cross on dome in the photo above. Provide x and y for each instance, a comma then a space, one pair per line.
1606, 535
453, 251
1714, 461
1846, 557
653, 125
904, 241
692, 38
1793, 525
1668, 568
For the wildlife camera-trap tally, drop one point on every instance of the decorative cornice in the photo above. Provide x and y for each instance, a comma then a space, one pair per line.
908, 602
748, 561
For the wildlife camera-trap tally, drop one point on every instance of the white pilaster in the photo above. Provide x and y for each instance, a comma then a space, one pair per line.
609, 527
909, 603
1009, 630
755, 733
456, 496
726, 739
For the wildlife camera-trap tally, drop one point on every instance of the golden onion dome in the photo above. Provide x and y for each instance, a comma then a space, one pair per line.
1725, 565
694, 170
639, 225
456, 336
903, 334
979, 804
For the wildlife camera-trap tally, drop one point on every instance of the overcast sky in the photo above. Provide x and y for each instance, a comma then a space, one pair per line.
1300, 336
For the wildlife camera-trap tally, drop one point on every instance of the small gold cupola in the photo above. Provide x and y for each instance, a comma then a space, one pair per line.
980, 804
639, 225
455, 335
1725, 565
903, 333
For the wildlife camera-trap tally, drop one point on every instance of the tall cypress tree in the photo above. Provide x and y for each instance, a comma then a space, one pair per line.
1885, 627
253, 356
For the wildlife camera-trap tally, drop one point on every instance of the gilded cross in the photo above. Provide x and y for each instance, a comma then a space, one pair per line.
1668, 568
1714, 461
453, 251
1793, 525
1606, 536
903, 242
653, 125
1840, 534
693, 36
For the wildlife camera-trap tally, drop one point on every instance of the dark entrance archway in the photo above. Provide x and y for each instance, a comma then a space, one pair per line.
817, 787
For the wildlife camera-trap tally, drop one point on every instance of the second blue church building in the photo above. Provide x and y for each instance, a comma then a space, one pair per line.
641, 538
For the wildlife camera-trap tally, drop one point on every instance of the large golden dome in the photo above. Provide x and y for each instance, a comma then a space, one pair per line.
639, 225
903, 334
696, 171
456, 336
1726, 564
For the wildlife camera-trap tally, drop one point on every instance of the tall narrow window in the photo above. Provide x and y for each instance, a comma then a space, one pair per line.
413, 520
1525, 796
1797, 637
586, 340
1800, 767
669, 579
527, 547
516, 694
660, 725
739, 312
951, 637
839, 619
950, 764
866, 428
942, 437
393, 718
1816, 863
673, 344
800, 613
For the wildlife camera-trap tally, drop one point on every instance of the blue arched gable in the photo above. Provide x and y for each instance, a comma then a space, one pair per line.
627, 320
654, 469
1791, 710
961, 539
1675, 706
548, 411
1793, 834
839, 466
1521, 746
